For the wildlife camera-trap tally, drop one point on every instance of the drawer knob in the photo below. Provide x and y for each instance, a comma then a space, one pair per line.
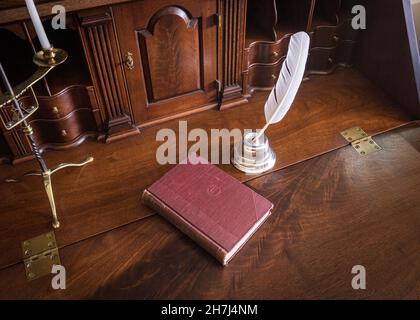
63, 133
55, 110
336, 38
330, 60
273, 76
275, 54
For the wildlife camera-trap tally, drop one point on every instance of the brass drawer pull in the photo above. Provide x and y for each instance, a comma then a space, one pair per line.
55, 110
273, 76
275, 54
63, 133
330, 60
129, 61
336, 39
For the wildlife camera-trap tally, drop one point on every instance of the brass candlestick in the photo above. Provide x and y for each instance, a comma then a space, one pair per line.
50, 57
46, 60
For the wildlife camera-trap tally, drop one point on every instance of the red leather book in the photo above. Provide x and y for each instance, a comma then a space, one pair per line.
211, 207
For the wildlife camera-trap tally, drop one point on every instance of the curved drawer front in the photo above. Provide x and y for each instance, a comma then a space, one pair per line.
63, 103
64, 130
264, 75
268, 52
321, 59
332, 36
327, 59
325, 36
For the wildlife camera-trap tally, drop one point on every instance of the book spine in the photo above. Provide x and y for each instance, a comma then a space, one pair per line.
174, 218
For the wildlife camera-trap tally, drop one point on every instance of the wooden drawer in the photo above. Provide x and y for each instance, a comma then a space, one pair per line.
268, 52
321, 59
63, 103
332, 36
325, 60
64, 130
325, 36
264, 76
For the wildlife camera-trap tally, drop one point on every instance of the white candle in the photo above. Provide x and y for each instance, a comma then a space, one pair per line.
39, 28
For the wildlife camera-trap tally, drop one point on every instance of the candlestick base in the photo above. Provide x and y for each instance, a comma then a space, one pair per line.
46, 178
50, 57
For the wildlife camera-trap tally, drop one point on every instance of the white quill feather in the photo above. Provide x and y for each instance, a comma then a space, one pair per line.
289, 80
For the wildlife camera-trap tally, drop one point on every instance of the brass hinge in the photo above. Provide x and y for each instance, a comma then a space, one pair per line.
40, 254
360, 141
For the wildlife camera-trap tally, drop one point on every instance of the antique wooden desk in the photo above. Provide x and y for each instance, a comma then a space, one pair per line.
138, 66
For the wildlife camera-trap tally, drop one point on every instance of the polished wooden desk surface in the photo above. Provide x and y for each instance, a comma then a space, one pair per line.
332, 212
106, 194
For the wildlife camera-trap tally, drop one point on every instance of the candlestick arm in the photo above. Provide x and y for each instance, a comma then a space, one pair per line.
21, 88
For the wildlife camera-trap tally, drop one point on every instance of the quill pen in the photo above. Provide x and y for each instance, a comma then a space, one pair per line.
289, 80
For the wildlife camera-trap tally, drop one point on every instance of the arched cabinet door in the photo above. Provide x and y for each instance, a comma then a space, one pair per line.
169, 55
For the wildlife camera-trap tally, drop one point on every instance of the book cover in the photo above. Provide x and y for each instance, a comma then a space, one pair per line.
211, 207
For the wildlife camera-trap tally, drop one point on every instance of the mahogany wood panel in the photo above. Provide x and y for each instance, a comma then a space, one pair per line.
15, 10
331, 213
100, 43
384, 43
233, 14
165, 31
105, 194
170, 48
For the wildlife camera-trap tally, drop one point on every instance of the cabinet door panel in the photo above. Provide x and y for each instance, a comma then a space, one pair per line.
174, 55
171, 70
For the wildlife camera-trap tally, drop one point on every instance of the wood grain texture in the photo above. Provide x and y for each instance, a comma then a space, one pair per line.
381, 42
233, 32
15, 10
332, 39
231, 45
331, 213
170, 48
105, 194
105, 63
169, 45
